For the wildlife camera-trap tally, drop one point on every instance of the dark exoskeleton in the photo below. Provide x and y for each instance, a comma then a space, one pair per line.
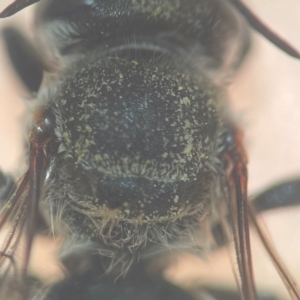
133, 152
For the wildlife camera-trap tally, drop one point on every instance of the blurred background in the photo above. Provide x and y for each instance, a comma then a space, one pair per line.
265, 101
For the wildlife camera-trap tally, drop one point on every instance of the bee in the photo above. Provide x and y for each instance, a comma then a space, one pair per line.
133, 152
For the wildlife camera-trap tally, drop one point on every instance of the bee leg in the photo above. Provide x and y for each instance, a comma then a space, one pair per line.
6, 186
282, 195
24, 58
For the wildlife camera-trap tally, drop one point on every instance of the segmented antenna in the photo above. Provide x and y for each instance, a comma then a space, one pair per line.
264, 30
15, 7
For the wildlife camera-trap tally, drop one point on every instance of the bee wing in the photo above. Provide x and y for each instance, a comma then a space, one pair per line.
15, 7
17, 221
241, 212
12, 222
280, 267
237, 198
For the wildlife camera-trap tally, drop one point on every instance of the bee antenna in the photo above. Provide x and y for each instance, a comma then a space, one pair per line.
264, 30
15, 7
